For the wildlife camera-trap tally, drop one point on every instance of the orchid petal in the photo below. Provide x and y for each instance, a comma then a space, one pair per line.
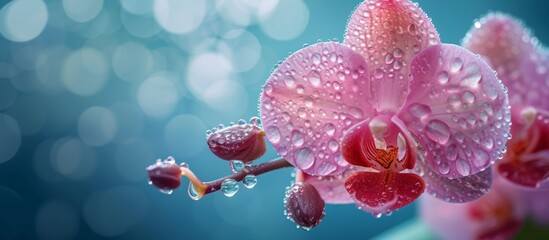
457, 190
496, 215
528, 174
388, 34
458, 111
331, 188
310, 100
383, 192
520, 62
539, 209
359, 148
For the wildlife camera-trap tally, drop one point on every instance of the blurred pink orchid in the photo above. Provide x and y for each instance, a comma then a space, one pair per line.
498, 214
416, 114
523, 66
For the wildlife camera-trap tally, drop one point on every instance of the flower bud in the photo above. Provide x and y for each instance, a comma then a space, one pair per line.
238, 142
165, 175
304, 205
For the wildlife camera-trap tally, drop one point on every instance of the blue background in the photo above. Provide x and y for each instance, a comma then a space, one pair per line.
78, 172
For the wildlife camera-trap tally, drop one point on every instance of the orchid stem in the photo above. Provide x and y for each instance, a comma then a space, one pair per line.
203, 188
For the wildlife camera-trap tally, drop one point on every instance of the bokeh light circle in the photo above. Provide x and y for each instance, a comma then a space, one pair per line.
97, 126
56, 220
10, 137
114, 211
158, 95
137, 6
73, 159
179, 16
185, 135
131, 61
287, 21
85, 71
23, 20
82, 10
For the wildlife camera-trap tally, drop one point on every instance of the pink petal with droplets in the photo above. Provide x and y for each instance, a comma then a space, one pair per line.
331, 188
516, 56
526, 162
498, 214
457, 109
388, 34
457, 190
358, 146
310, 100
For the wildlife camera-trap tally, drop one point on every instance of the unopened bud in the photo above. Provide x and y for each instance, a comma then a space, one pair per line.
304, 205
238, 142
165, 175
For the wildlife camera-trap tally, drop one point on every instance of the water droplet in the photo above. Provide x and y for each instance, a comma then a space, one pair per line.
481, 158
326, 168
443, 77
333, 145
389, 58
456, 65
191, 191
314, 78
237, 166
472, 75
166, 191
377, 215
419, 110
249, 181
300, 89
438, 131
451, 152
304, 158
463, 167
289, 81
329, 129
378, 73
229, 187
273, 134
398, 53
468, 97
297, 138
316, 58
255, 121
444, 168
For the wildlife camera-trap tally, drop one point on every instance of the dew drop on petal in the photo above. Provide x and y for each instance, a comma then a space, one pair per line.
249, 181
297, 138
472, 76
229, 187
273, 134
468, 97
444, 168
456, 65
463, 167
305, 158
419, 110
481, 158
438, 131
314, 78
443, 77
329, 129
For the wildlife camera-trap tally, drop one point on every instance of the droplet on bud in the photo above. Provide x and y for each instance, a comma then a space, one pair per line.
244, 142
304, 205
165, 175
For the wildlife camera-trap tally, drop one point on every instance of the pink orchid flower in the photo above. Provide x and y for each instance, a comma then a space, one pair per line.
523, 66
497, 215
417, 114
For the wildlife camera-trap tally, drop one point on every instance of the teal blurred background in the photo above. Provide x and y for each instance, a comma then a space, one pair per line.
92, 91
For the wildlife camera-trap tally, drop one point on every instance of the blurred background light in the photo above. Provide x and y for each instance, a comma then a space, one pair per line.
23, 20
93, 91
